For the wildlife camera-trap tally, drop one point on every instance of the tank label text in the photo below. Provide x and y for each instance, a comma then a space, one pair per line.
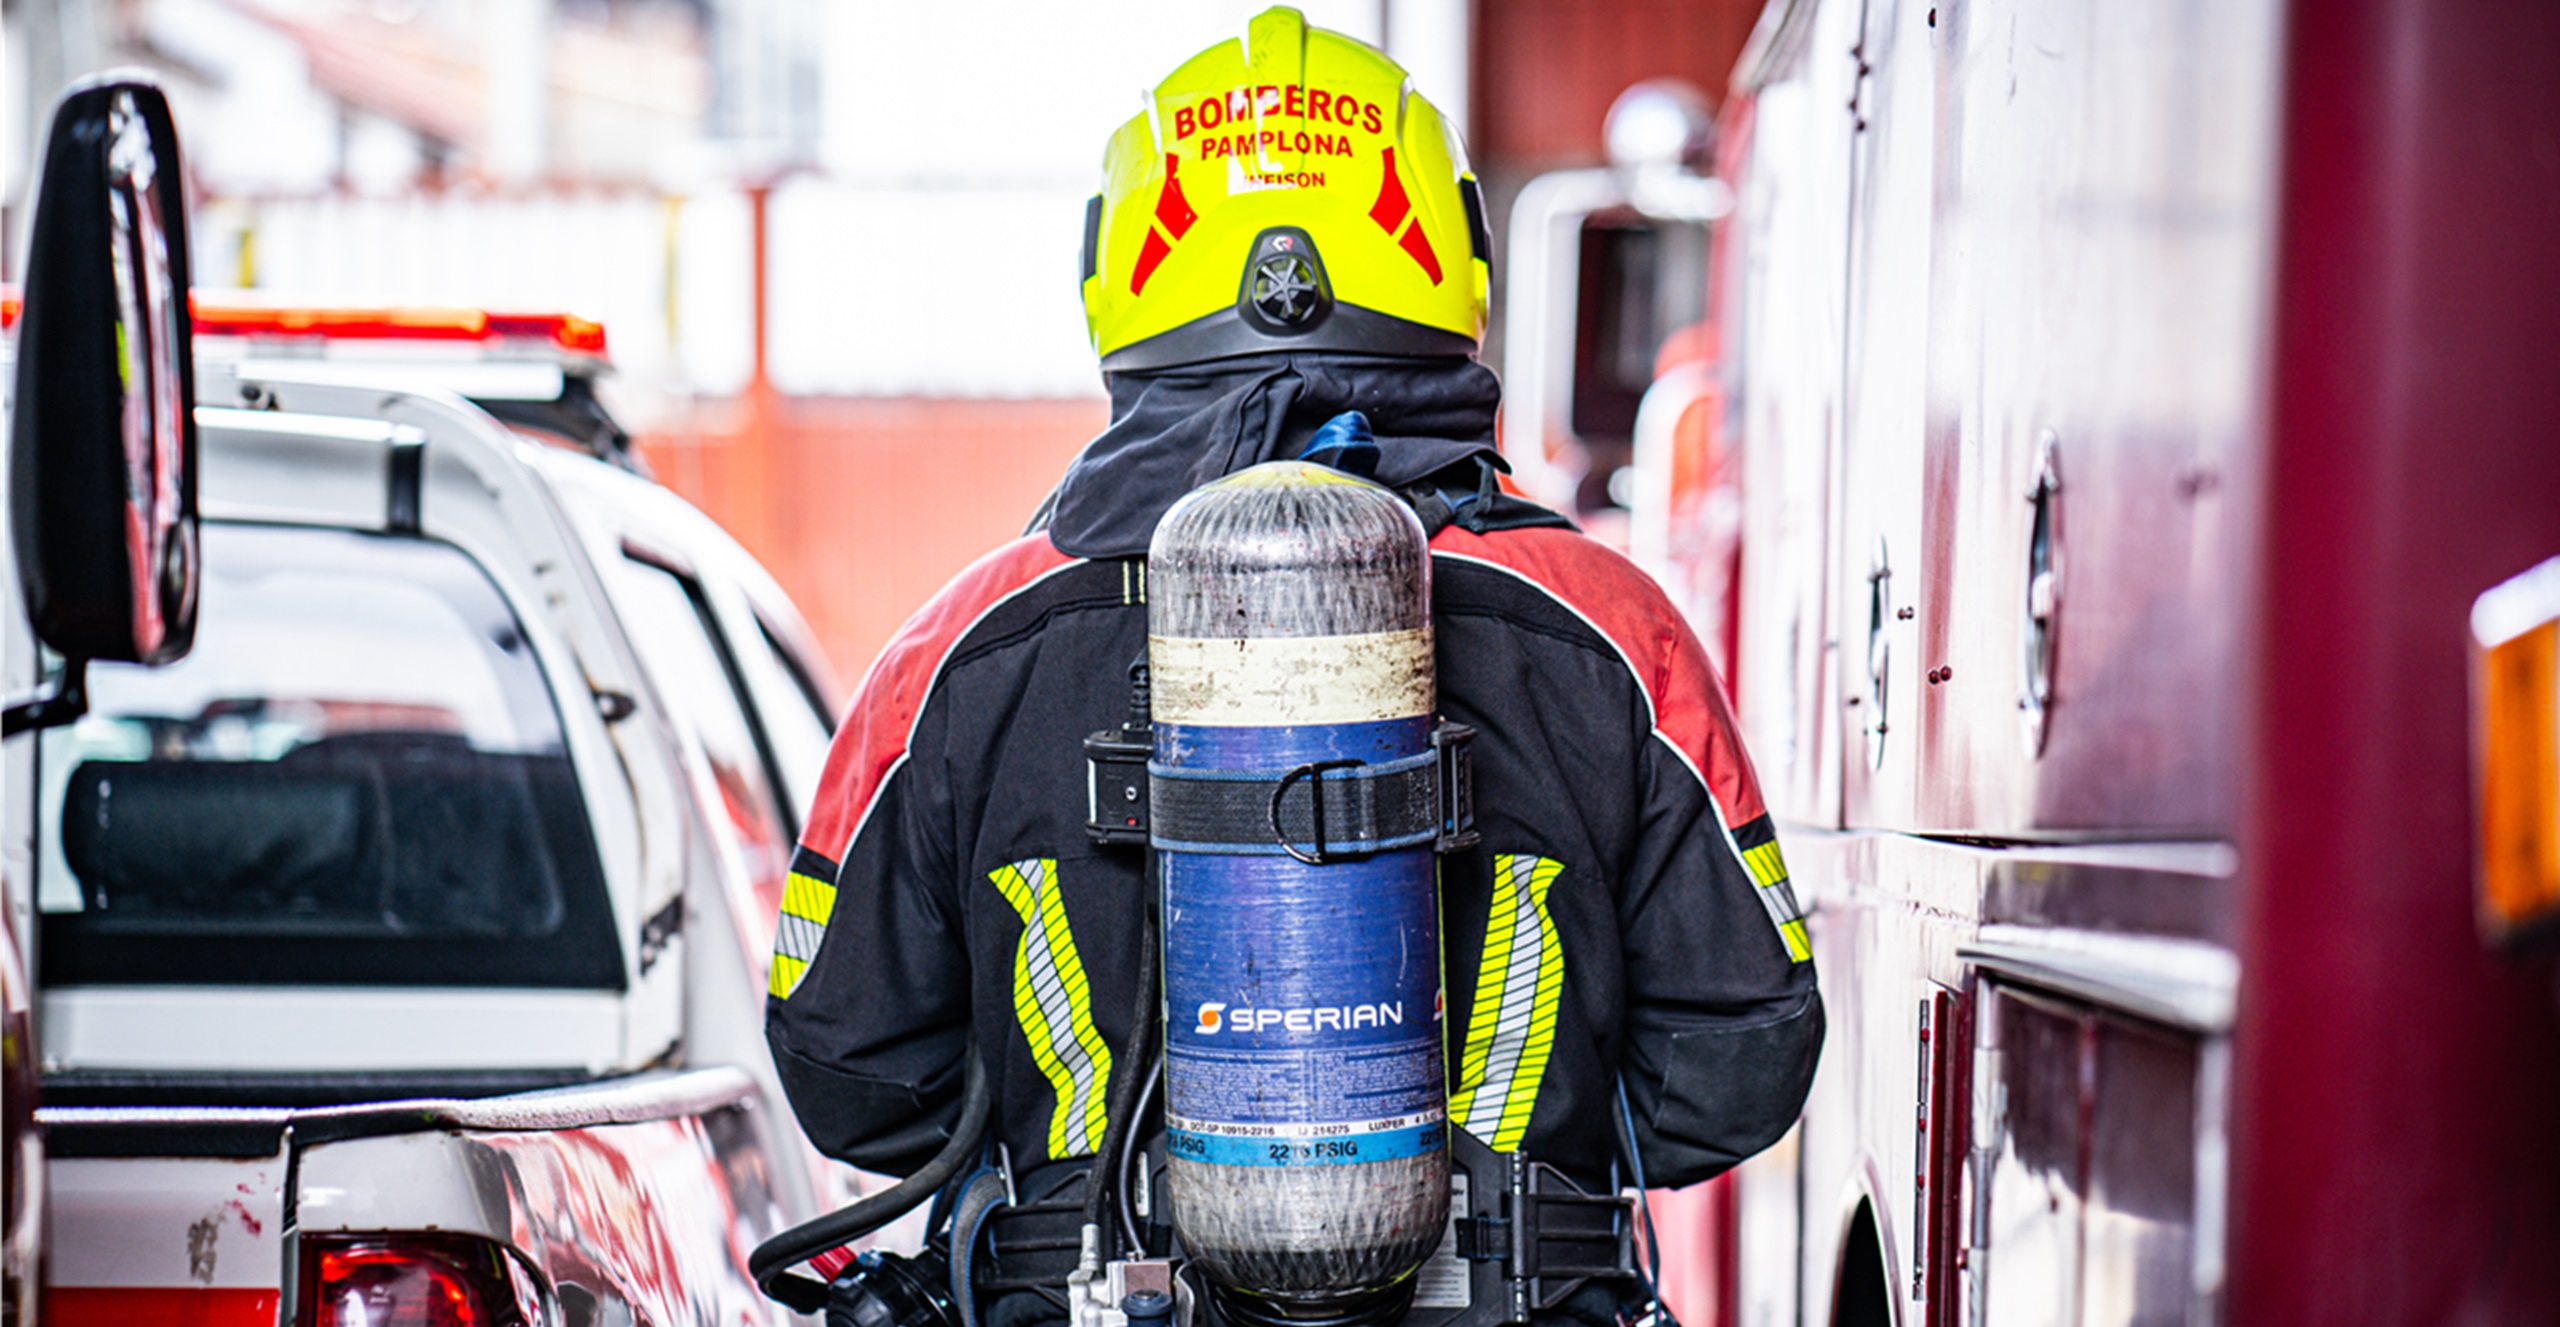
1216, 1016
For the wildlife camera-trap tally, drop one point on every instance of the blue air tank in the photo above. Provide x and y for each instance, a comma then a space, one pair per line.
1289, 634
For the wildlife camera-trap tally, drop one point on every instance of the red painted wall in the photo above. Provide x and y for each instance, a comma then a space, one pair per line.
862, 508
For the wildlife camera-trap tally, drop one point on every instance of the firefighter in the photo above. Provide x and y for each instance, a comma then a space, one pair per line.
1289, 255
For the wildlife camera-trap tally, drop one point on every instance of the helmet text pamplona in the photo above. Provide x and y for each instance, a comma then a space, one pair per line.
1286, 190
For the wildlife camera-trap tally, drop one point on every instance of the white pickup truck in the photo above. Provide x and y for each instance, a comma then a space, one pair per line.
399, 951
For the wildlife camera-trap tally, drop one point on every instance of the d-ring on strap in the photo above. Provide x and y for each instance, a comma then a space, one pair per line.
1315, 807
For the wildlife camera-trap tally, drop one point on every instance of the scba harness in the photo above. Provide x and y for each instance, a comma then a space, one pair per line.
1523, 1244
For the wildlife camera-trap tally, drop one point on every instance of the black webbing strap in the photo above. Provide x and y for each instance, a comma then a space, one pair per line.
1322, 810
1326, 808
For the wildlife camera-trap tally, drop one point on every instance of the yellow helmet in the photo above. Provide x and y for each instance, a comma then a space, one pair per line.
1287, 191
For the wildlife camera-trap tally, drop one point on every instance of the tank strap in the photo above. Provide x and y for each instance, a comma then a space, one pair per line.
1320, 811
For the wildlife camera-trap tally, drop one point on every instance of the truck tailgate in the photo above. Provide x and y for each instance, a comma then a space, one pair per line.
167, 1216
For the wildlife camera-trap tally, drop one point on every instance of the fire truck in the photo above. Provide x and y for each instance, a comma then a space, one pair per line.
2137, 440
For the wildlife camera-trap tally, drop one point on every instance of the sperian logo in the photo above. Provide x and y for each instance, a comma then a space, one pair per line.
1214, 1017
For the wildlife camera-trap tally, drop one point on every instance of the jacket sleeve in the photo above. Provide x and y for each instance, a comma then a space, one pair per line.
1724, 1021
867, 1012
869, 1009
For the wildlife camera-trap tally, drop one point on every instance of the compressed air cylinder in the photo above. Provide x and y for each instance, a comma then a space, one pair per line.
1289, 634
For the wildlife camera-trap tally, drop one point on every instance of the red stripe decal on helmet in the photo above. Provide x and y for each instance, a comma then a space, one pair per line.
1392, 206
1154, 251
1172, 208
1419, 245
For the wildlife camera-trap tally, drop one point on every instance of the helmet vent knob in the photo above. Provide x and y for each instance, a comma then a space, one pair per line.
1284, 288
1284, 283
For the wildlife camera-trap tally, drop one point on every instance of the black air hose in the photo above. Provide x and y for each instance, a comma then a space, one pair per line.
1132, 1156
1127, 1094
770, 1262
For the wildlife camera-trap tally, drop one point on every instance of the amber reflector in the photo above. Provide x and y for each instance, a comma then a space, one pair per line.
2515, 693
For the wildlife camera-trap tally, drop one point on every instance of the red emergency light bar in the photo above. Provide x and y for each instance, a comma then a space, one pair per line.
565, 332
561, 331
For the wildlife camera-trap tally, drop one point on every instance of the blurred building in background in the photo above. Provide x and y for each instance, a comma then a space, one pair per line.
833, 241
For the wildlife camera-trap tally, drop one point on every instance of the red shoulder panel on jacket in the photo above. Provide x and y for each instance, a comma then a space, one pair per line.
883, 714
1624, 604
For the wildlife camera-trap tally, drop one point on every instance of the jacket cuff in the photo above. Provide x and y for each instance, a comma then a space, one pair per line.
889, 1128
1727, 1093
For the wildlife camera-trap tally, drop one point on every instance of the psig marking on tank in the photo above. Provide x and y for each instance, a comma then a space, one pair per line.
1214, 1016
1323, 1149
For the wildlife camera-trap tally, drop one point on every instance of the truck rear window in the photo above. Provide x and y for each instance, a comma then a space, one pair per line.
357, 778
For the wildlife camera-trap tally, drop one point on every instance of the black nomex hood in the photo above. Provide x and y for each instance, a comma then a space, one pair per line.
1173, 430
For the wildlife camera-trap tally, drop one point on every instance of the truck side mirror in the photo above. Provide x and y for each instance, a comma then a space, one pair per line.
102, 449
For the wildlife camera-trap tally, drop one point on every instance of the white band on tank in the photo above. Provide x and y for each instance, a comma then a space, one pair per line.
1291, 681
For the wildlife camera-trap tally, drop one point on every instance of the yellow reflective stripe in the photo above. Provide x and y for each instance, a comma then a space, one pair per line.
1511, 1027
1488, 995
808, 896
1767, 867
1043, 1039
1032, 970
1079, 996
1054, 1003
1778, 898
1542, 1021
807, 904
1016, 891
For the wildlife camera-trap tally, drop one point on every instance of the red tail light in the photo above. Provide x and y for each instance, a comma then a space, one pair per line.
414, 1280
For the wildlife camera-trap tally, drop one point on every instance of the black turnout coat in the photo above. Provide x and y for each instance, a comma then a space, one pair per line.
1627, 912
